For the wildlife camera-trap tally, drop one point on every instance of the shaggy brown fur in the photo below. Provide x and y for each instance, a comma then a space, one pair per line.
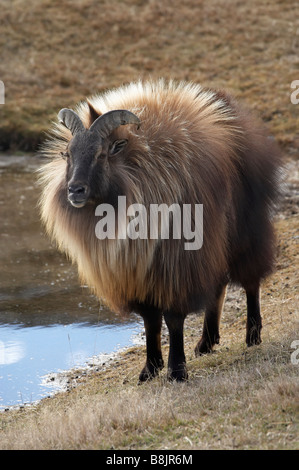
194, 146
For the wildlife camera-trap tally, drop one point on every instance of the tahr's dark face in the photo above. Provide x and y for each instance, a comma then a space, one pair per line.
83, 155
89, 151
88, 166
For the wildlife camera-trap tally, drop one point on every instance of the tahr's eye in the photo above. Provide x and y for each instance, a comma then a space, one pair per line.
118, 146
64, 154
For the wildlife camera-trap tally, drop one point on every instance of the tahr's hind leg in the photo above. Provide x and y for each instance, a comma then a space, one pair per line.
254, 319
210, 334
154, 362
177, 369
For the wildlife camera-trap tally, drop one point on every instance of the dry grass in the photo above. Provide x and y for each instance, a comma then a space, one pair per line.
54, 53
247, 401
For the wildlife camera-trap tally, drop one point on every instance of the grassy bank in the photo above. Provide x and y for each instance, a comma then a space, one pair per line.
55, 53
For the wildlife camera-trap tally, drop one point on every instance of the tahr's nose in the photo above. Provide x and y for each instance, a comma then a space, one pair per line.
77, 189
78, 194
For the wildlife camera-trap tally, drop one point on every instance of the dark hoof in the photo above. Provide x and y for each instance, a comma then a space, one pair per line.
204, 347
178, 375
150, 371
253, 336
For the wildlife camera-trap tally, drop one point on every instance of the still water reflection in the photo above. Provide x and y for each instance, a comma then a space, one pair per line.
48, 322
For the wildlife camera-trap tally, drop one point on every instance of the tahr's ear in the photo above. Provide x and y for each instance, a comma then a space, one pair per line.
93, 114
118, 146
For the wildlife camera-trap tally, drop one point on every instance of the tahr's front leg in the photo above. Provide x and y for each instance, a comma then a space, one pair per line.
177, 369
154, 362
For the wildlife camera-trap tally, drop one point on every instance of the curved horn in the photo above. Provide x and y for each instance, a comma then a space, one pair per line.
106, 123
71, 120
